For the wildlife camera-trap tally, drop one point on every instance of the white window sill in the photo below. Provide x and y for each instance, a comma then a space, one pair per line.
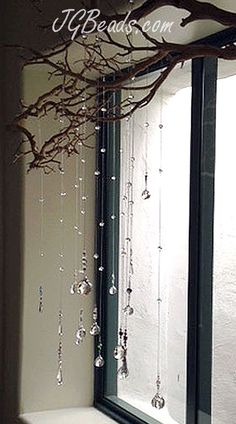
67, 416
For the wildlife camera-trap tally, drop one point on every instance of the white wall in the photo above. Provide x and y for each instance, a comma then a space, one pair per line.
39, 390
224, 294
139, 388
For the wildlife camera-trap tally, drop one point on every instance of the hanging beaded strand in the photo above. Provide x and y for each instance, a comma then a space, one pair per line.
41, 249
61, 270
77, 231
113, 181
158, 401
85, 286
121, 350
81, 332
99, 361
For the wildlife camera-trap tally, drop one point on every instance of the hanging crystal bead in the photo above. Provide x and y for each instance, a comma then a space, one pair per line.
158, 401
59, 376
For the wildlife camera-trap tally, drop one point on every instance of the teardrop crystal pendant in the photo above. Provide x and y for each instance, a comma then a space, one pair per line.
81, 332
112, 289
158, 401
59, 376
95, 329
123, 371
146, 193
99, 361
119, 352
85, 286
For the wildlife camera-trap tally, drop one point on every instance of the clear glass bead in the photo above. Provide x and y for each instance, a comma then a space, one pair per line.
95, 329
97, 127
101, 224
101, 268
103, 150
103, 109
112, 290
59, 376
97, 173
63, 193
119, 352
146, 125
61, 269
96, 255
123, 371
99, 361
84, 286
113, 217
128, 310
158, 402
146, 194
113, 178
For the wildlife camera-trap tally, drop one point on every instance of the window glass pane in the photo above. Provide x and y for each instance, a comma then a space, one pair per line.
224, 311
160, 264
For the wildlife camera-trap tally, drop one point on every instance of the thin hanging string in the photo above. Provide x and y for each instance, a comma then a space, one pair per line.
159, 300
101, 223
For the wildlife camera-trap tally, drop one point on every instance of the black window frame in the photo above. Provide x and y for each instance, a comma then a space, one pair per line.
201, 226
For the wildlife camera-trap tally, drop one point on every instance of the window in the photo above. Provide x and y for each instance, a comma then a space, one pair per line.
189, 124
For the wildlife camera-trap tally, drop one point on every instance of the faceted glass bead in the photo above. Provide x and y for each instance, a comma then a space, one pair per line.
101, 268
113, 217
119, 352
112, 290
101, 224
84, 286
146, 194
128, 310
96, 255
99, 361
97, 173
97, 127
103, 150
158, 402
95, 329
113, 178
103, 109
123, 371
81, 332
